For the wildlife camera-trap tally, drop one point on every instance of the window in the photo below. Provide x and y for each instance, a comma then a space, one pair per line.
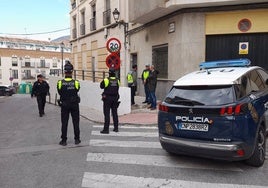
54, 64
27, 74
14, 61
27, 62
0, 74
160, 60
82, 26
93, 19
0, 62
107, 13
42, 63
15, 74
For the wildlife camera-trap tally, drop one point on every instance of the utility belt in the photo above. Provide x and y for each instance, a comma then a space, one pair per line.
71, 100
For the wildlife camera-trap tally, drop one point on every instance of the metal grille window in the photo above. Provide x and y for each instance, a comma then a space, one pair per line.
160, 60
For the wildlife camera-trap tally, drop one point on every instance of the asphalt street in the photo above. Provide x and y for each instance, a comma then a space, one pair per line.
30, 156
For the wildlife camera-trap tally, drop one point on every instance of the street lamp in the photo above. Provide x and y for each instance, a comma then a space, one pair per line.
62, 46
116, 15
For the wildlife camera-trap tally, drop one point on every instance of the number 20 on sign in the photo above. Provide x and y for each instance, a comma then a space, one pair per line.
113, 45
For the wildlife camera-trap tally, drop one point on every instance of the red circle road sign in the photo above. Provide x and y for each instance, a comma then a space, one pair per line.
113, 61
113, 45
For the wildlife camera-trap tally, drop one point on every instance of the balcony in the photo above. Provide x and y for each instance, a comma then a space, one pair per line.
152, 10
92, 24
30, 77
107, 17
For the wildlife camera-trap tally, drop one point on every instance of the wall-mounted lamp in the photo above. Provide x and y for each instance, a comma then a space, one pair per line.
116, 15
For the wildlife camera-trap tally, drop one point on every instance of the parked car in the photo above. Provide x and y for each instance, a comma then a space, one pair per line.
219, 112
6, 90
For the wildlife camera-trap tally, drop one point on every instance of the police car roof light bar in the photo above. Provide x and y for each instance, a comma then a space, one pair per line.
225, 63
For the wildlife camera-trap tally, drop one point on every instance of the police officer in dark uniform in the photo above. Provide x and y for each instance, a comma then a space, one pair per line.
40, 90
69, 101
110, 97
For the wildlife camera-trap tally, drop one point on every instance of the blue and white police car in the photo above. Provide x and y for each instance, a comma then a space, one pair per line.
219, 112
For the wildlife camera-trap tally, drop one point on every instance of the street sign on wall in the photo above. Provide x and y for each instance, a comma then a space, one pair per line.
113, 45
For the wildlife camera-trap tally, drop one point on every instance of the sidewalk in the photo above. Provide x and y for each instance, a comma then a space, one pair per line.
139, 115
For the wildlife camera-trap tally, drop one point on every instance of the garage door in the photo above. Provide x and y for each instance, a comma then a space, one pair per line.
254, 47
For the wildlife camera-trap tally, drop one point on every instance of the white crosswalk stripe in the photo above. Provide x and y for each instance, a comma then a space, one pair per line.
103, 179
119, 181
115, 143
127, 134
152, 160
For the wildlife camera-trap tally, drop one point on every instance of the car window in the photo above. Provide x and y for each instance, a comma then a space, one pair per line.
201, 95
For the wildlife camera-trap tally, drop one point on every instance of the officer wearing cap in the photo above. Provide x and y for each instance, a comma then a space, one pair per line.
110, 97
69, 101
40, 90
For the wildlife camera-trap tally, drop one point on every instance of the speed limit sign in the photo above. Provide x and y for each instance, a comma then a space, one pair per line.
113, 45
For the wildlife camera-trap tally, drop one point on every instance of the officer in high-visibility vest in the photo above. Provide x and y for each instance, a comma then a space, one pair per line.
144, 77
132, 83
110, 97
69, 101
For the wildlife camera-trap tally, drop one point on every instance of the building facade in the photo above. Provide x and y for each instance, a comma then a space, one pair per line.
173, 35
21, 60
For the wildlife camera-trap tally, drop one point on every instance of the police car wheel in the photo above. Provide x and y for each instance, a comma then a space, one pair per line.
258, 157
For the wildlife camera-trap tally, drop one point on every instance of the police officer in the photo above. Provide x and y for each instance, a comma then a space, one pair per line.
40, 90
110, 97
132, 83
69, 101
144, 77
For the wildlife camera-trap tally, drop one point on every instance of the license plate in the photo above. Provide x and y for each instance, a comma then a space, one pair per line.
193, 127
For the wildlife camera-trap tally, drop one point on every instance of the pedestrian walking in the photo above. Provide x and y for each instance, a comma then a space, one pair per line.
152, 82
40, 90
144, 77
132, 83
110, 97
68, 89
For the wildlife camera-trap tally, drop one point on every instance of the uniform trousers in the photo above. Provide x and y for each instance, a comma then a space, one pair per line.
110, 103
73, 109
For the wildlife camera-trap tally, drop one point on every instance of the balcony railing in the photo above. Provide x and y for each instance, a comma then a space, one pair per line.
107, 17
92, 24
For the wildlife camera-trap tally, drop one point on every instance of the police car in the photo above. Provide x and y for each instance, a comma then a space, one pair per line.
219, 112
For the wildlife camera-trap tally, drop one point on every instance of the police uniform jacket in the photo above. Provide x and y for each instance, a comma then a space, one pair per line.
68, 90
110, 86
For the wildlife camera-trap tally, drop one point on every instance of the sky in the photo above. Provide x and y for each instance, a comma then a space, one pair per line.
34, 19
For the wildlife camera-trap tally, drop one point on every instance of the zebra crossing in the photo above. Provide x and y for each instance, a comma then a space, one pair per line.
129, 142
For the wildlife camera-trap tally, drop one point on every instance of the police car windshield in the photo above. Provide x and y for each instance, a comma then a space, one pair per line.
200, 95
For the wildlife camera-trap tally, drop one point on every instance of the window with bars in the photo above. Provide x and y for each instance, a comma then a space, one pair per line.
160, 60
